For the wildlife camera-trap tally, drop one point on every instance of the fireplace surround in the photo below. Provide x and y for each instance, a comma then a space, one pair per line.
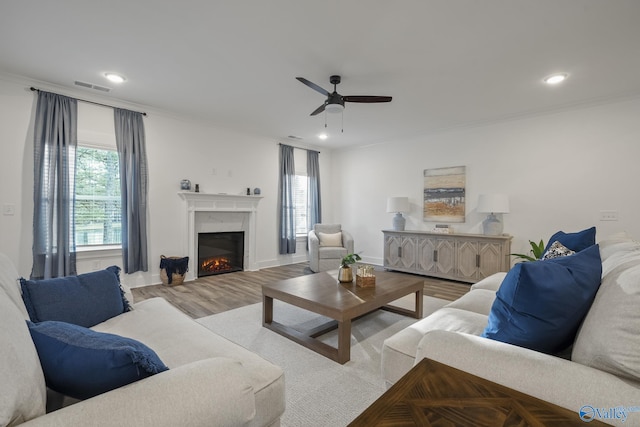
213, 213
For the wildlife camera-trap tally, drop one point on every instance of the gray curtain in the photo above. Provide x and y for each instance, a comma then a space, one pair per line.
287, 226
55, 142
314, 203
130, 141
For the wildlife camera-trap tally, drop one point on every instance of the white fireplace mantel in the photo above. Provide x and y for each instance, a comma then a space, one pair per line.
199, 204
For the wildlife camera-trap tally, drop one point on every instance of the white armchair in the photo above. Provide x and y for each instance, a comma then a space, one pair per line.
328, 244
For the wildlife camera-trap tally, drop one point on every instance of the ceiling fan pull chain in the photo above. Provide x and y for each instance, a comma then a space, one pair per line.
325, 119
342, 130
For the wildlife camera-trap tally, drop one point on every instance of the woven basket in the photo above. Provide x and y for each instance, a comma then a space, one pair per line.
365, 281
176, 279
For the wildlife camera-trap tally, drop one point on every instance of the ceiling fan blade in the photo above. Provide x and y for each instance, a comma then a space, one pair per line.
313, 86
318, 110
366, 98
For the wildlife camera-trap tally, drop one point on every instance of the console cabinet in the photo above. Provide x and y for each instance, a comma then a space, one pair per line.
463, 257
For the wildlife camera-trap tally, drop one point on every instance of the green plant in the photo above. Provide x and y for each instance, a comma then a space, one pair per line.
537, 250
349, 259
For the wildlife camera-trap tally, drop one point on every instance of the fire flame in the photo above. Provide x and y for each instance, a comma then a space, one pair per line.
211, 265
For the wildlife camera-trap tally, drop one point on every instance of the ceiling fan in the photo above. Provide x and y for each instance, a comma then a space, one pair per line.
335, 101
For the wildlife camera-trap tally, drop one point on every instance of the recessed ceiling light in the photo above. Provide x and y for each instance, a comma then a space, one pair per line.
114, 77
554, 79
323, 136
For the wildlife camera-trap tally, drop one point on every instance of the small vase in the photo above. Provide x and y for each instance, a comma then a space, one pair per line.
345, 275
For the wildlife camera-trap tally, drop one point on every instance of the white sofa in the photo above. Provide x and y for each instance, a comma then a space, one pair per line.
211, 381
601, 370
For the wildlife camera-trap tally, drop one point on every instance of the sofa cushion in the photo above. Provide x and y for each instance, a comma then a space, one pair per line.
614, 249
608, 339
327, 228
179, 340
575, 241
399, 351
541, 304
22, 386
10, 284
84, 300
491, 283
82, 363
330, 252
330, 239
477, 300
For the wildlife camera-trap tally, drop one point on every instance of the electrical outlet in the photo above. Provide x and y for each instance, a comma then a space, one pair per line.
8, 209
608, 215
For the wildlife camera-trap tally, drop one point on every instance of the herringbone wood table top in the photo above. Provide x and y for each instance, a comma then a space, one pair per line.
434, 394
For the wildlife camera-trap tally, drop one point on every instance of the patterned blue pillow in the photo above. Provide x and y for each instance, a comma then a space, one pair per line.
82, 363
575, 241
557, 250
541, 304
85, 299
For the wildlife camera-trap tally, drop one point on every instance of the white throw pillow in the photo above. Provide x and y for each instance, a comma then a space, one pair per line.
608, 339
333, 239
22, 386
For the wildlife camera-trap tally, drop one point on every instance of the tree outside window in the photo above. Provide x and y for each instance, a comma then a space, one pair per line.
97, 205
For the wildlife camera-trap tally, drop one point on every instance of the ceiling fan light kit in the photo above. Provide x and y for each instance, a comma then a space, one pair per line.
335, 102
334, 108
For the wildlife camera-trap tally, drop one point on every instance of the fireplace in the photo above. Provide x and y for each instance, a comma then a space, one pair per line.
220, 252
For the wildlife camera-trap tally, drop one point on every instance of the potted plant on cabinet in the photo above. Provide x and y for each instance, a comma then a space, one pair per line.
345, 274
537, 250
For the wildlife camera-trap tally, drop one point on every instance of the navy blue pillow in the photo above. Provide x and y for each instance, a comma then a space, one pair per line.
82, 363
85, 299
574, 241
541, 304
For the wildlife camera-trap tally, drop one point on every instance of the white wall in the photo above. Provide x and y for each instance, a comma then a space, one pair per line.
559, 170
176, 149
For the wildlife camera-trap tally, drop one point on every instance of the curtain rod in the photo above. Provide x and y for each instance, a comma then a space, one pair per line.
299, 148
90, 102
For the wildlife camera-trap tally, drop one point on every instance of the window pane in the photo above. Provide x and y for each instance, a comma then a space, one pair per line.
98, 206
300, 201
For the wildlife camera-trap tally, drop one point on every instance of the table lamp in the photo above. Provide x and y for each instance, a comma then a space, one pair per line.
398, 205
493, 204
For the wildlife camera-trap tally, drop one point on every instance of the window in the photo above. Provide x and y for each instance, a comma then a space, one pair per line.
98, 206
300, 203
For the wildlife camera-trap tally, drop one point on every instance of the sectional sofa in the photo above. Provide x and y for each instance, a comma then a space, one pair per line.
210, 381
597, 376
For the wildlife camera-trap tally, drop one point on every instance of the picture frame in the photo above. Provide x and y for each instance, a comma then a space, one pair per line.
444, 194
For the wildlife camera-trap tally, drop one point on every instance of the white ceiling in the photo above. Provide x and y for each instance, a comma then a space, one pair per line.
447, 63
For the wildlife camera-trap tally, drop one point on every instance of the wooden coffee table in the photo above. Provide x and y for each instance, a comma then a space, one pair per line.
321, 293
435, 394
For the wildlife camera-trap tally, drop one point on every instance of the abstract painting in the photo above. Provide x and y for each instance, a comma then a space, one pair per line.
444, 194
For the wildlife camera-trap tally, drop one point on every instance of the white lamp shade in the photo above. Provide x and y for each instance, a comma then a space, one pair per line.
398, 204
493, 203
334, 108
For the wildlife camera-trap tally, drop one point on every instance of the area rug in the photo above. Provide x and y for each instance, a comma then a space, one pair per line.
319, 391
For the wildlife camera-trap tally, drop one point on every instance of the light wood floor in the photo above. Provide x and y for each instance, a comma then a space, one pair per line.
215, 294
